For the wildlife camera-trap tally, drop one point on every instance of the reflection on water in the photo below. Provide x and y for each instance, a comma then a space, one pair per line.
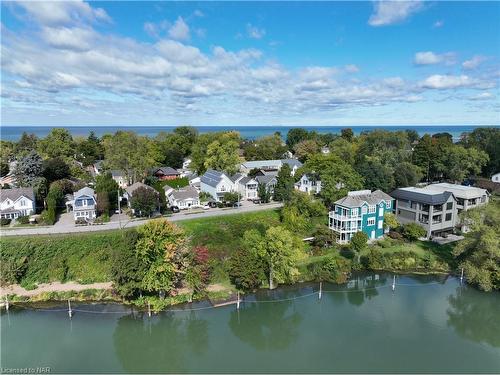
428, 324
475, 316
159, 344
266, 326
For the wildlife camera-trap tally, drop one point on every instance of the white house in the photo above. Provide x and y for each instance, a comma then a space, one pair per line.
187, 197
83, 204
325, 150
248, 187
270, 165
120, 178
216, 184
16, 202
467, 196
309, 183
496, 177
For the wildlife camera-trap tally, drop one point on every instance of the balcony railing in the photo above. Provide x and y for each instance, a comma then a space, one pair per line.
333, 215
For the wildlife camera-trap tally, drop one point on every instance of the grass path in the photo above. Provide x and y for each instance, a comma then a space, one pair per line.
52, 287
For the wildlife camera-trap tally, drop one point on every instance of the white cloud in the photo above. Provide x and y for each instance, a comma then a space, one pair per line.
438, 24
63, 12
351, 68
74, 38
482, 96
179, 30
474, 62
254, 32
387, 12
431, 58
444, 82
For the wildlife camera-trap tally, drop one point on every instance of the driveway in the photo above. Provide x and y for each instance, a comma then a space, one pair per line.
64, 226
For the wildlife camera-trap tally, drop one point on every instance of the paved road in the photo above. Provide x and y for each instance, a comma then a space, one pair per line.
67, 227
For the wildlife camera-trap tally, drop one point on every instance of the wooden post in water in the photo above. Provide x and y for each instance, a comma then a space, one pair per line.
70, 312
7, 303
320, 289
238, 301
394, 283
462, 276
149, 309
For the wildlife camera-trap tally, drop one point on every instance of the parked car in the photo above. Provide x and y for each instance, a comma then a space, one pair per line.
237, 204
175, 209
256, 201
212, 204
206, 205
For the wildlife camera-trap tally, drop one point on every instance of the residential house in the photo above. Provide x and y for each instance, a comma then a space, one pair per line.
325, 150
184, 198
97, 167
247, 187
496, 177
309, 183
194, 181
270, 165
435, 210
130, 190
120, 178
268, 180
465, 198
216, 184
83, 205
186, 163
16, 202
361, 210
165, 173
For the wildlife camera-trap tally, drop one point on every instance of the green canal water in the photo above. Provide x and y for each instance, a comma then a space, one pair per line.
428, 324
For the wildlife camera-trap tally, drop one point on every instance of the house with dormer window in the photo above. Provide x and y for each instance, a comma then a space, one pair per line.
361, 210
84, 205
16, 202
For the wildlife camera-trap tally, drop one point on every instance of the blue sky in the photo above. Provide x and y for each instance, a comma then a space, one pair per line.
250, 63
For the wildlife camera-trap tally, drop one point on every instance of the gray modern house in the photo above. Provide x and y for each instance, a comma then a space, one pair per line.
436, 211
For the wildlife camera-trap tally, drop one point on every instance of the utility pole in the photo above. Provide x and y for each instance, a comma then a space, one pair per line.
119, 209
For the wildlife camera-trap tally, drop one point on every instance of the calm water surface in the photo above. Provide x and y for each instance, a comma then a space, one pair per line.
429, 324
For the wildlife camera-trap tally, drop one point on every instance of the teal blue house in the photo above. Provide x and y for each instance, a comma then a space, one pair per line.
361, 210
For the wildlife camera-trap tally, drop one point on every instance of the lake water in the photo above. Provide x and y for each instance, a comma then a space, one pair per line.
429, 324
12, 133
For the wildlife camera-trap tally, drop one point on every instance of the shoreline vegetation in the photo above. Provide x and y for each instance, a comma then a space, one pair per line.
85, 259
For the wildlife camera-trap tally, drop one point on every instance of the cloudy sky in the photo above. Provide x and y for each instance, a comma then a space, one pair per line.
247, 63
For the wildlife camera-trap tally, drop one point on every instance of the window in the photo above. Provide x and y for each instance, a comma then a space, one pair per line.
23, 202
449, 205
372, 209
448, 217
371, 221
380, 224
388, 204
381, 211
364, 210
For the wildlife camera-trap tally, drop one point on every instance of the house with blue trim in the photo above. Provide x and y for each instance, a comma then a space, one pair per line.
361, 210
83, 205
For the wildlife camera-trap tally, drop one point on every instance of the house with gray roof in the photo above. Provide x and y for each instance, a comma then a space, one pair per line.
309, 183
216, 184
83, 205
361, 210
270, 165
435, 210
16, 202
120, 177
165, 173
130, 191
184, 198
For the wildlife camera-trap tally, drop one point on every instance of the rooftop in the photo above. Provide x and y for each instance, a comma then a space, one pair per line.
16, 193
422, 195
358, 198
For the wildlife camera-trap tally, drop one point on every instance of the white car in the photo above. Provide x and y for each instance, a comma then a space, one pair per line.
205, 206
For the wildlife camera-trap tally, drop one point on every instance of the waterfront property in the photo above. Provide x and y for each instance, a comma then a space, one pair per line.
183, 198
434, 210
361, 210
424, 205
83, 205
496, 177
16, 202
216, 184
309, 183
248, 186
270, 165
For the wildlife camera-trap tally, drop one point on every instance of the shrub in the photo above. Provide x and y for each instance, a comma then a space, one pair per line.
4, 222
23, 219
413, 231
246, 271
395, 235
332, 268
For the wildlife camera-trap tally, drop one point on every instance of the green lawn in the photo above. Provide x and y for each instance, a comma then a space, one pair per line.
222, 234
